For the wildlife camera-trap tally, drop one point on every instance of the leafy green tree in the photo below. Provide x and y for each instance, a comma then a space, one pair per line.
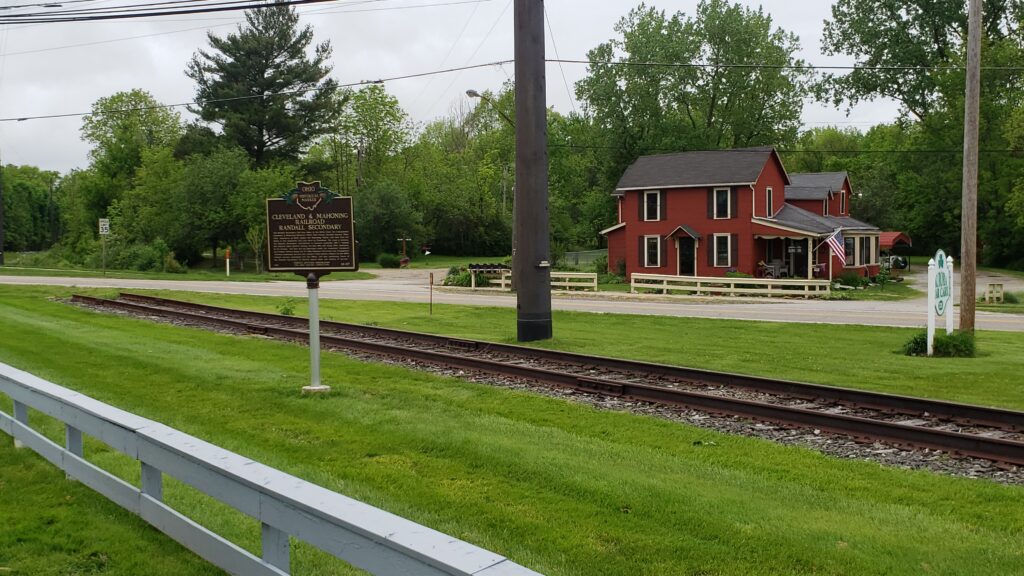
262, 88
210, 182
384, 212
121, 126
643, 108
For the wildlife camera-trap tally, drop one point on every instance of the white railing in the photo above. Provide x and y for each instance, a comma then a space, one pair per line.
730, 286
559, 280
366, 537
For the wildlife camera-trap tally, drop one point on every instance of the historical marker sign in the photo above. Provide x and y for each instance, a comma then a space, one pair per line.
940, 290
310, 229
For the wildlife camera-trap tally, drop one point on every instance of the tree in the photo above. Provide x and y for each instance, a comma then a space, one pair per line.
895, 41
123, 125
711, 105
259, 85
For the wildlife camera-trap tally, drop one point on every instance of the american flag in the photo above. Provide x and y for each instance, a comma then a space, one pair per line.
836, 244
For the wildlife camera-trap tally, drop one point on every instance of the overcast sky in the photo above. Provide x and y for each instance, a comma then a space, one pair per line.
62, 68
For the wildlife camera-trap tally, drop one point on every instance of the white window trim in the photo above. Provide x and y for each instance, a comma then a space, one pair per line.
769, 201
728, 243
842, 202
658, 204
728, 203
658, 244
826, 205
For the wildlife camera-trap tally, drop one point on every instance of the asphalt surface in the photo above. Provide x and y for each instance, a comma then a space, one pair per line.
412, 286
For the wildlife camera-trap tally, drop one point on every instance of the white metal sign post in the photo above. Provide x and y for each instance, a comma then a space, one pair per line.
310, 232
104, 232
940, 291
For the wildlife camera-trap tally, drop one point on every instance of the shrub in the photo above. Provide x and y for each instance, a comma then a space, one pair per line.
851, 279
287, 308
883, 278
389, 260
462, 278
620, 268
955, 345
606, 278
600, 265
1011, 298
172, 265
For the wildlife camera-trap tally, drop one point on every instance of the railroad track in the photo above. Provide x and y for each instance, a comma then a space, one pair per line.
960, 429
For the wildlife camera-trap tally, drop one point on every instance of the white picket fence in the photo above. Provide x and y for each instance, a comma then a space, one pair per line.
286, 507
559, 280
730, 286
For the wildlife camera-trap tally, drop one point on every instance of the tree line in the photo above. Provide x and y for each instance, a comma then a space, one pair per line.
725, 76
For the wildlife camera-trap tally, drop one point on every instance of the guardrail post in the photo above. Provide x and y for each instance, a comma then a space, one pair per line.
73, 443
152, 482
21, 415
276, 548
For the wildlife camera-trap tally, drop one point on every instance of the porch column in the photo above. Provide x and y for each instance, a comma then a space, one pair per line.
810, 258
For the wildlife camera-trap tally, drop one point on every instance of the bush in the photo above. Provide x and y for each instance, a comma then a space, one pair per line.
172, 265
389, 260
955, 345
1011, 298
287, 308
600, 265
852, 279
462, 278
883, 278
606, 278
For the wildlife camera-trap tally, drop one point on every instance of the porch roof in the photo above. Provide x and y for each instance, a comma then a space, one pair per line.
803, 221
684, 229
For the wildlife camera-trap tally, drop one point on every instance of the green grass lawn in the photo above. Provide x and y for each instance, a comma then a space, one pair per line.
866, 357
563, 488
442, 261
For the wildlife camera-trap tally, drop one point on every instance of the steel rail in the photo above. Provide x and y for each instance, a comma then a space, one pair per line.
989, 448
940, 409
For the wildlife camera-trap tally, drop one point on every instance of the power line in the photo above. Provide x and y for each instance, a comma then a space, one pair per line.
256, 96
854, 67
234, 22
250, 5
551, 32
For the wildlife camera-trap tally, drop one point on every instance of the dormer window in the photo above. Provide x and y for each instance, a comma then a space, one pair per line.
826, 206
842, 202
769, 204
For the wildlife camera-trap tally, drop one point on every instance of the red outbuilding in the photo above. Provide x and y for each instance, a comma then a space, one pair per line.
707, 213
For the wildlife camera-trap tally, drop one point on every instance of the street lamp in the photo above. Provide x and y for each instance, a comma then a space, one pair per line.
474, 94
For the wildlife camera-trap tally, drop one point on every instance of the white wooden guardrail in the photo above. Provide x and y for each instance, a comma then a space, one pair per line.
366, 537
731, 286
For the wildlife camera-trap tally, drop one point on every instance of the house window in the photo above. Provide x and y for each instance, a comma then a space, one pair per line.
865, 250
826, 206
842, 202
652, 205
769, 204
723, 204
723, 251
850, 244
652, 251
875, 241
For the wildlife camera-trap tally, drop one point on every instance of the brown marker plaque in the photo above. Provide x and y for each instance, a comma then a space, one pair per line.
310, 230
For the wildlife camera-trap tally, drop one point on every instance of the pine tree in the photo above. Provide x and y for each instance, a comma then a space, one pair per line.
260, 86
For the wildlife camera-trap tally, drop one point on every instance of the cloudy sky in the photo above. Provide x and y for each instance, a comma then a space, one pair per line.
63, 68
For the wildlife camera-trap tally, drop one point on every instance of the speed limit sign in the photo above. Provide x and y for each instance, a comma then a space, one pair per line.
104, 226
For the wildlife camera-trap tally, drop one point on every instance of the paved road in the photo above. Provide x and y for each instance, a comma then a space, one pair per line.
411, 286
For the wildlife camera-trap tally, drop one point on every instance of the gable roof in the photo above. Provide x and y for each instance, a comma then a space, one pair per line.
814, 185
697, 169
888, 240
799, 219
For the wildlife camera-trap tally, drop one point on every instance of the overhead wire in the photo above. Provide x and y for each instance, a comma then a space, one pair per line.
554, 45
258, 96
249, 5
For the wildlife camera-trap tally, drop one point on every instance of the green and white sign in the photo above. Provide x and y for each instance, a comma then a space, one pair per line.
942, 283
940, 291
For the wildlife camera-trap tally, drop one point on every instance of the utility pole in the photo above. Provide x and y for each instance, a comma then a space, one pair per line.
531, 266
969, 211
1, 210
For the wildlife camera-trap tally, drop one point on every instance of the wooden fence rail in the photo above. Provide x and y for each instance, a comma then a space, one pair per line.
559, 280
730, 286
366, 537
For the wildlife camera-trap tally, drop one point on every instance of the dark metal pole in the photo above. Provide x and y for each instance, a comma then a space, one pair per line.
1, 210
531, 272
969, 205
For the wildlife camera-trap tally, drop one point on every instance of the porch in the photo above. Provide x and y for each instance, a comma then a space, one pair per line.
798, 256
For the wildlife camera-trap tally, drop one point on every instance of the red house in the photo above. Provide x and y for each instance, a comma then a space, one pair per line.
711, 212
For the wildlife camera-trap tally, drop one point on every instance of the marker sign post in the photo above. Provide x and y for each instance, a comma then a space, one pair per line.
940, 291
310, 232
104, 232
